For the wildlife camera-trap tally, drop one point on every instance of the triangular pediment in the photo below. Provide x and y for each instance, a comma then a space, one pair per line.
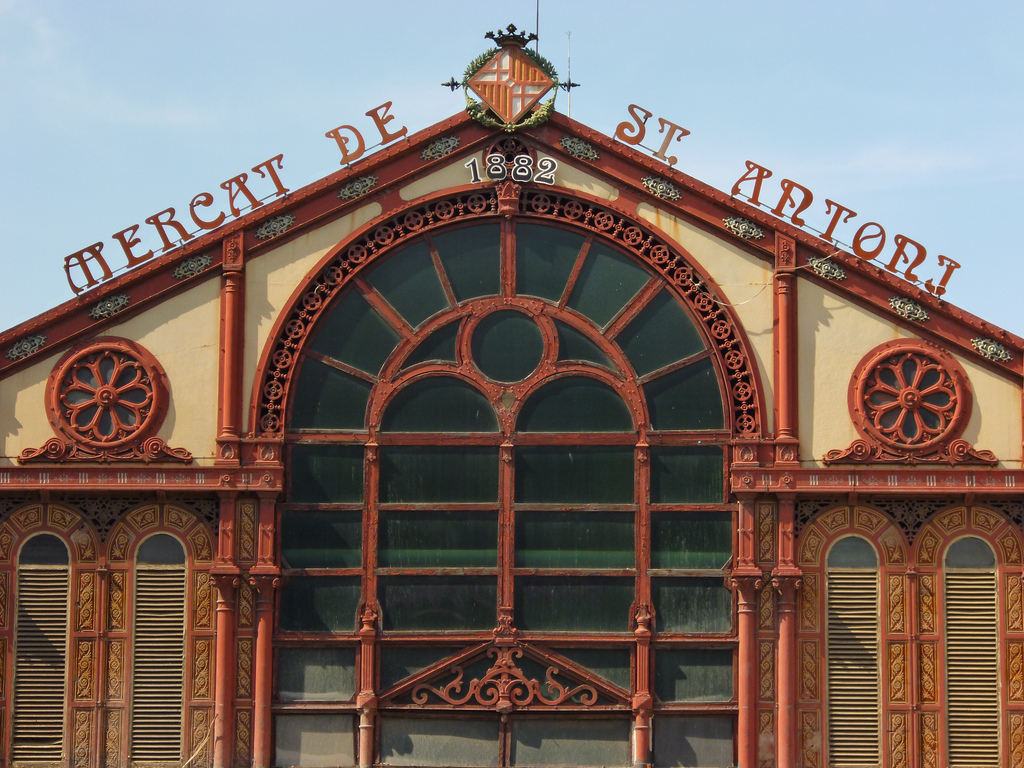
506, 676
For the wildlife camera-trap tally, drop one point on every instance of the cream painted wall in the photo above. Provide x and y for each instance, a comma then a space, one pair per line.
836, 334
23, 422
745, 281
572, 178
271, 280
454, 174
183, 334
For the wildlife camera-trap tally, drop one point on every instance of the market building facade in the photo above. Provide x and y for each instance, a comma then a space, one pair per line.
508, 445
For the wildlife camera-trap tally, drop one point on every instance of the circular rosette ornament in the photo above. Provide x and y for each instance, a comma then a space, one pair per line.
910, 402
107, 394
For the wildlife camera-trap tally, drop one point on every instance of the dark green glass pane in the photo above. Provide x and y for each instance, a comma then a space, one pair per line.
660, 335
691, 540
695, 674
573, 345
321, 539
969, 552
693, 741
326, 473
579, 743
45, 549
316, 674
437, 347
686, 399
438, 602
691, 474
575, 404
326, 398
355, 334
692, 605
573, 604
429, 741
610, 663
855, 552
574, 474
544, 259
574, 540
606, 283
439, 404
313, 740
161, 549
319, 604
434, 538
471, 257
400, 662
410, 284
507, 346
431, 474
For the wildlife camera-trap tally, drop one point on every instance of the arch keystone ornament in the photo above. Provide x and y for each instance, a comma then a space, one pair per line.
910, 402
105, 400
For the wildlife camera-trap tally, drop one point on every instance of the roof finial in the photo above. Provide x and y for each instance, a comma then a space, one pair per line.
509, 36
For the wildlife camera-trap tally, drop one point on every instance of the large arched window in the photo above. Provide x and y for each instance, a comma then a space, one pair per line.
40, 651
506, 450
854, 707
972, 654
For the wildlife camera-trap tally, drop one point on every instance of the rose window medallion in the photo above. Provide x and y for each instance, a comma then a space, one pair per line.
910, 402
106, 400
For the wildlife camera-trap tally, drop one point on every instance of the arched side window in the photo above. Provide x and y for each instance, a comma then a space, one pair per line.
158, 651
853, 706
40, 650
972, 654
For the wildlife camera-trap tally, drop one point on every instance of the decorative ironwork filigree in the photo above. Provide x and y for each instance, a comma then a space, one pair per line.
26, 346
357, 187
192, 266
578, 148
110, 306
666, 190
105, 399
715, 317
440, 148
744, 228
825, 267
908, 308
275, 226
992, 349
505, 687
910, 402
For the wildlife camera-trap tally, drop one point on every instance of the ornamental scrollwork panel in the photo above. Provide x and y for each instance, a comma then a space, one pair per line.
105, 400
910, 402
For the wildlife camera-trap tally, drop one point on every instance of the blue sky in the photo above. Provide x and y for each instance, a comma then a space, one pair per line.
909, 113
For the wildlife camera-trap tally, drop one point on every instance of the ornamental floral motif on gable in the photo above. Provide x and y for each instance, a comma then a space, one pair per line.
910, 402
105, 400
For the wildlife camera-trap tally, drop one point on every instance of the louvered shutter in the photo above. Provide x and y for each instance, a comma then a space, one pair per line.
40, 664
972, 670
158, 664
853, 681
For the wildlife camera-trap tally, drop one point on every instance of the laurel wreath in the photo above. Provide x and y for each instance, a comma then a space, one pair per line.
479, 112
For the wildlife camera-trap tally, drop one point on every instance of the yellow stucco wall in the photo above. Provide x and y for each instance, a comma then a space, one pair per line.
745, 281
572, 178
835, 335
455, 174
183, 334
271, 279
23, 422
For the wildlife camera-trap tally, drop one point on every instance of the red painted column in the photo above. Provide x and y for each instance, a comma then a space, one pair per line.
786, 581
746, 580
232, 350
786, 346
223, 731
265, 578
642, 701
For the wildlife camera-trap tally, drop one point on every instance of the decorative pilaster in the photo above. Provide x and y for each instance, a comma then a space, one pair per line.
786, 345
223, 717
232, 346
262, 727
366, 700
746, 587
642, 701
